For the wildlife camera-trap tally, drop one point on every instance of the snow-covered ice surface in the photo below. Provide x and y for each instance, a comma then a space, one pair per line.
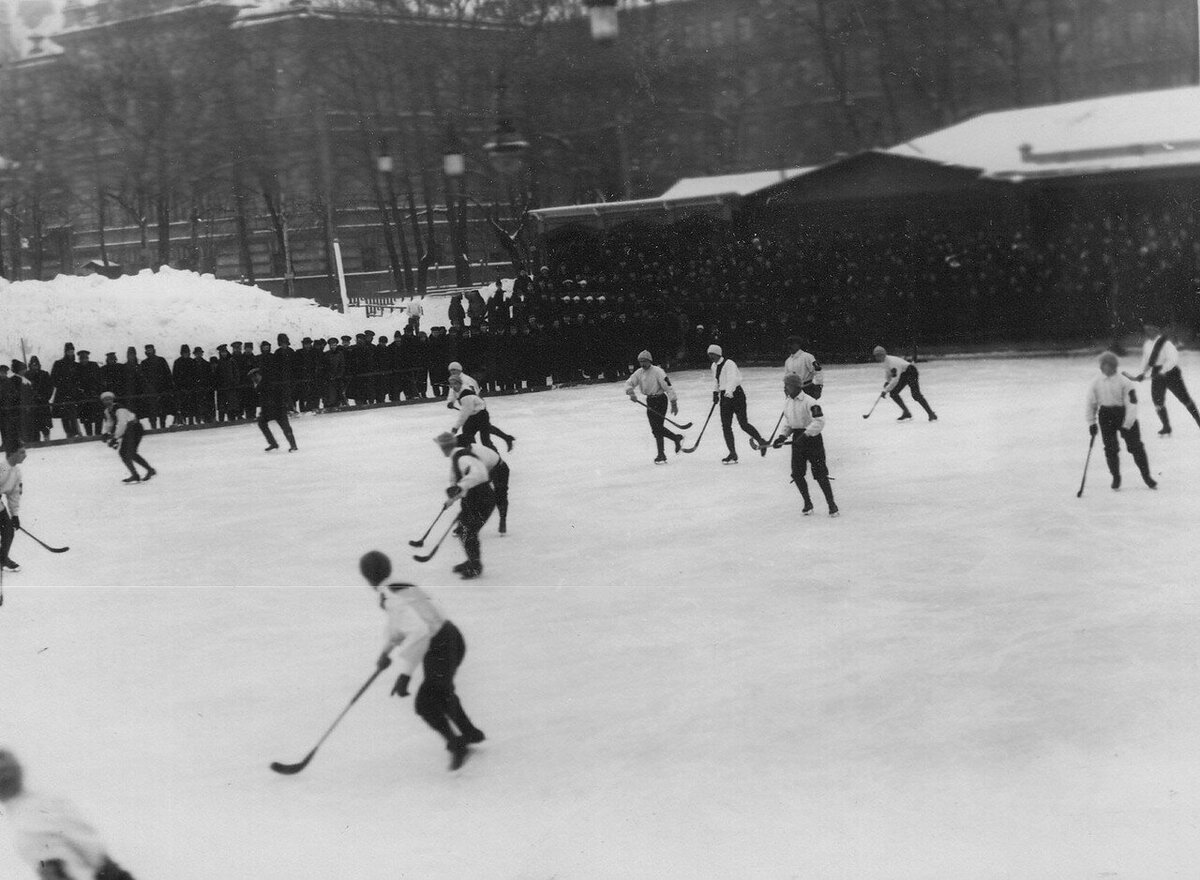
971, 673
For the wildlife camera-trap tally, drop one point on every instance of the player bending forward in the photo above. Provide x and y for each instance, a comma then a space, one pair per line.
1112, 400
479, 476
423, 635
50, 834
123, 430
899, 374
805, 421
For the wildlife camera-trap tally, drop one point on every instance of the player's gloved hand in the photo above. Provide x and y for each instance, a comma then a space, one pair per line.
400, 689
16, 521
778, 443
383, 662
52, 869
632, 395
112, 442
716, 396
1092, 430
674, 408
882, 395
453, 492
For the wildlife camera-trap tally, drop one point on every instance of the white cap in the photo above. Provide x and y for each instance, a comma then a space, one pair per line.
878, 350
644, 355
715, 349
455, 365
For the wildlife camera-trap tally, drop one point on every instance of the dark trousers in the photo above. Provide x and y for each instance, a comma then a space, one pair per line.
130, 441
910, 380
280, 418
1172, 380
736, 406
436, 701
7, 532
656, 412
499, 480
1112, 420
477, 506
481, 424
808, 451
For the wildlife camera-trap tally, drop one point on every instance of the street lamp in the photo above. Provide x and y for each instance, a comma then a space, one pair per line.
603, 17
507, 148
454, 167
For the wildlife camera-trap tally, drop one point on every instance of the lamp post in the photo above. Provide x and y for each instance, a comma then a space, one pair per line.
602, 14
401, 267
454, 168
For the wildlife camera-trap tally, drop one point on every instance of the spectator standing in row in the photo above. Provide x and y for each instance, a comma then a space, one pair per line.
90, 411
43, 391
156, 388
64, 375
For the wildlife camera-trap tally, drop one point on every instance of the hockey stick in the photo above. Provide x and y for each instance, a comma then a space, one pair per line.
872, 409
692, 448
44, 544
429, 555
665, 419
290, 769
775, 429
1086, 461
420, 542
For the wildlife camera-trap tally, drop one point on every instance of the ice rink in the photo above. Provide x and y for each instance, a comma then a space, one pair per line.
970, 674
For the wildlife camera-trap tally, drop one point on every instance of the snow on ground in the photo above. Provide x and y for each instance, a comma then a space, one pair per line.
971, 673
167, 308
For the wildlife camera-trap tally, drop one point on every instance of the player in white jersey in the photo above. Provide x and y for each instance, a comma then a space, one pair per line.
801, 363
653, 382
418, 632
456, 371
474, 418
1112, 402
899, 374
805, 421
50, 834
727, 391
123, 431
475, 472
1160, 358
11, 487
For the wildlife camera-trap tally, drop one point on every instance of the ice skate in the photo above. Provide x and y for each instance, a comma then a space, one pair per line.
731, 458
503, 524
678, 443
272, 447
660, 459
132, 479
808, 508
471, 572
11, 565
293, 448
149, 474
933, 417
459, 752
833, 510
1116, 481
472, 737
905, 417
1165, 432
1151, 483
461, 567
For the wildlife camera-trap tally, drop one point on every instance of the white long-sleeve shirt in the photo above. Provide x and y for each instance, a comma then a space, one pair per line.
467, 383
1167, 360
11, 485
412, 621
1114, 390
651, 380
805, 366
47, 828
892, 368
468, 405
729, 379
473, 466
116, 421
803, 414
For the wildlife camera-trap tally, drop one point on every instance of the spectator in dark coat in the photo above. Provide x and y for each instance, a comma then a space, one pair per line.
90, 411
43, 390
156, 388
457, 314
10, 411
64, 375
183, 378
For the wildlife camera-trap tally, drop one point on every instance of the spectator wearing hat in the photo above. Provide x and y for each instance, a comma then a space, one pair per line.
183, 376
271, 407
227, 378
64, 376
1160, 358
336, 366
90, 411
205, 385
112, 376
653, 382
156, 388
123, 431
43, 391
10, 411
728, 394
899, 374
456, 314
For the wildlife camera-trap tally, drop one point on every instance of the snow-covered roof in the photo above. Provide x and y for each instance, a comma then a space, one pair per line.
740, 184
1117, 133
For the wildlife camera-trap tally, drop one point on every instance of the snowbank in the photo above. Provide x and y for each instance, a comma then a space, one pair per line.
167, 308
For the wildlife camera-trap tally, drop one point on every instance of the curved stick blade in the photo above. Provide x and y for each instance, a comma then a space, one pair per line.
290, 769
420, 543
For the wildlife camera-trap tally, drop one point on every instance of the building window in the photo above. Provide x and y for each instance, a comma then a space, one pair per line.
717, 29
745, 29
369, 254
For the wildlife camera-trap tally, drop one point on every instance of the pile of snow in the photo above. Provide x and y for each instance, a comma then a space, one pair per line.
167, 308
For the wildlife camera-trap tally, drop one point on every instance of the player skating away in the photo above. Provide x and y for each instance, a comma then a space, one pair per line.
805, 421
419, 633
899, 374
50, 834
1112, 401
801, 363
273, 405
1160, 358
123, 431
727, 390
473, 416
10, 490
653, 382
